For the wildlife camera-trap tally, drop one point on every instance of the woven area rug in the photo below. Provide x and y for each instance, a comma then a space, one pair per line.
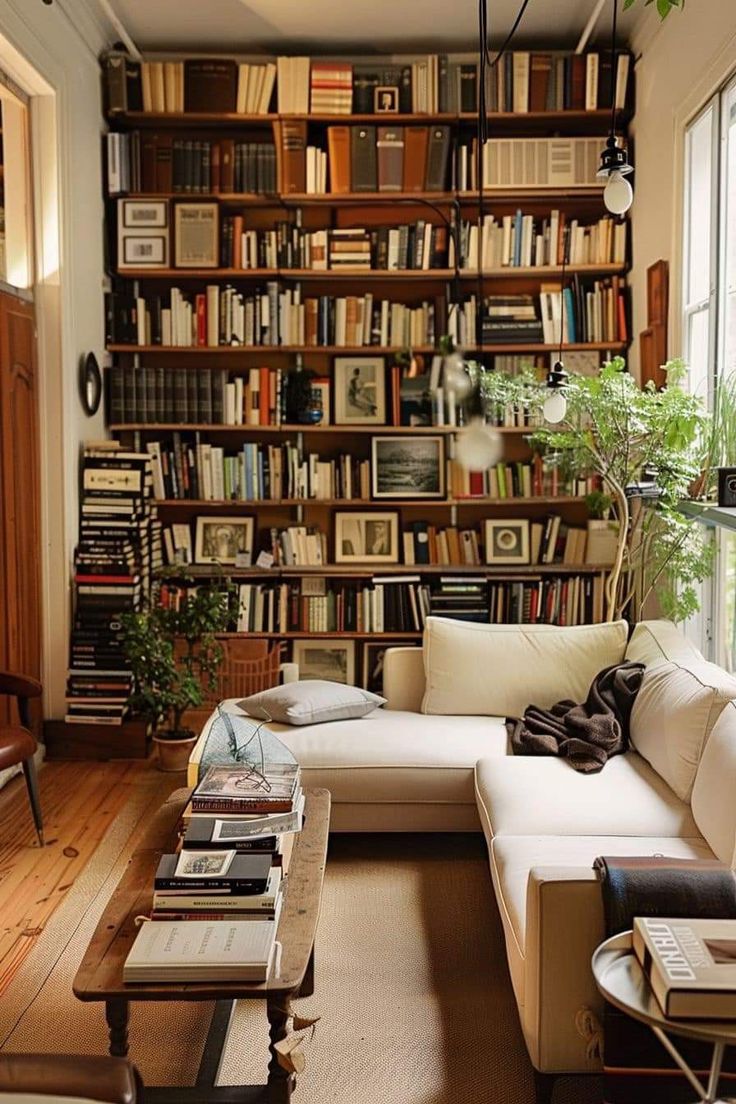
412, 986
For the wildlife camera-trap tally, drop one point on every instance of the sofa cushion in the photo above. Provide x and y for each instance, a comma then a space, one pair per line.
498, 670
628, 797
674, 712
310, 701
714, 792
403, 678
393, 757
660, 642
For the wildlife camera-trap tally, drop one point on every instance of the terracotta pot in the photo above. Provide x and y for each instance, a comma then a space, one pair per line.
173, 755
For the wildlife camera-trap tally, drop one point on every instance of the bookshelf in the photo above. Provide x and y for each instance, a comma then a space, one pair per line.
420, 304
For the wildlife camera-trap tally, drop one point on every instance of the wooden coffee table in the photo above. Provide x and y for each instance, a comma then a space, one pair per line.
100, 976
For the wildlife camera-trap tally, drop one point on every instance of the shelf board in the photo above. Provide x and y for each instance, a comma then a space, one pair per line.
340, 429
393, 503
369, 571
321, 635
367, 350
504, 119
509, 272
491, 196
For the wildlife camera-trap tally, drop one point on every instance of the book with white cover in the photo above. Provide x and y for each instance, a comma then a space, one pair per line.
691, 965
201, 950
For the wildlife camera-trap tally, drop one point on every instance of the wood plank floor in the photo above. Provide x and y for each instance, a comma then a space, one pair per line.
79, 800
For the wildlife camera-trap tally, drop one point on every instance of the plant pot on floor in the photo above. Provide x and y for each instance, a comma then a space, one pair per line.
174, 750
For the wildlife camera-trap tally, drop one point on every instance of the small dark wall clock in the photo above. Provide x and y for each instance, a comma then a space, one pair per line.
90, 384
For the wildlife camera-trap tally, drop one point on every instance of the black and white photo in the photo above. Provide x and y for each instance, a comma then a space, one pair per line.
366, 538
203, 864
224, 540
360, 391
408, 467
332, 660
507, 541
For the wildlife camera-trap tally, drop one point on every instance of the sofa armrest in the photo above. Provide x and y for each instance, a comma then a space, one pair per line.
564, 925
99, 1079
403, 679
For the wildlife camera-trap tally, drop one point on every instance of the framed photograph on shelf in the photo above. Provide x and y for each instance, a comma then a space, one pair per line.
333, 660
320, 399
196, 235
224, 540
143, 233
369, 538
507, 541
386, 99
144, 214
360, 391
408, 467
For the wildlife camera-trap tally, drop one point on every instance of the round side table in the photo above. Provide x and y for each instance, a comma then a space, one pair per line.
621, 980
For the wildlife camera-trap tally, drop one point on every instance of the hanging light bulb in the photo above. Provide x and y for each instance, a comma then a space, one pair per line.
456, 378
555, 405
478, 446
618, 194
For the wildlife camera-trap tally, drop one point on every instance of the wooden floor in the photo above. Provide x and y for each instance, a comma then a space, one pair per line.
79, 802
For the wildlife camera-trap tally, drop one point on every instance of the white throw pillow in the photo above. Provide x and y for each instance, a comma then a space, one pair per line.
674, 712
310, 701
713, 804
498, 670
661, 642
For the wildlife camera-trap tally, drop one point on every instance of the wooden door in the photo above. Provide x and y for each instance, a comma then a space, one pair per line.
20, 527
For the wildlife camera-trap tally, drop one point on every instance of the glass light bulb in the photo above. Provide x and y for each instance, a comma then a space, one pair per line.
456, 378
618, 194
555, 407
478, 446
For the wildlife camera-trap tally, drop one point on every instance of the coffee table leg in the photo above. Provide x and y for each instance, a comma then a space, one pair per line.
306, 989
280, 1081
116, 1014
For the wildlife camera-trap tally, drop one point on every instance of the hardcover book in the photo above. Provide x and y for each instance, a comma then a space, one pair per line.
690, 964
217, 950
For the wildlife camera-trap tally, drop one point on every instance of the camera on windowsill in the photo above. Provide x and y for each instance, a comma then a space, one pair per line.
727, 486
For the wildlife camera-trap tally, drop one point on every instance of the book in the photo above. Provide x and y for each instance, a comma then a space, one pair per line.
240, 789
183, 900
690, 964
210, 85
224, 871
213, 950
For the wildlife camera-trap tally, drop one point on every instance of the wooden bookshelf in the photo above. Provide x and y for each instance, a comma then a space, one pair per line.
345, 503
331, 570
538, 272
365, 350
311, 430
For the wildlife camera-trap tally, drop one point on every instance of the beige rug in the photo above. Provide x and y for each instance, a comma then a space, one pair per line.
412, 985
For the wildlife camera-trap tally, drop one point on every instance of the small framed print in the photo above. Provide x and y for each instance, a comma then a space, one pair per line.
332, 660
507, 542
224, 540
137, 214
360, 391
203, 864
196, 235
140, 250
320, 399
373, 658
370, 538
408, 467
386, 100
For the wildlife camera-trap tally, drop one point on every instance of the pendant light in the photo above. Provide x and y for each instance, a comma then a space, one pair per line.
614, 167
555, 404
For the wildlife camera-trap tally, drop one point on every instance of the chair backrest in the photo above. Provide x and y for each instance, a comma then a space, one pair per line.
248, 667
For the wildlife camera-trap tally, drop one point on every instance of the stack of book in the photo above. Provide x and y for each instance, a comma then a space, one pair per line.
118, 549
463, 598
331, 85
511, 318
349, 249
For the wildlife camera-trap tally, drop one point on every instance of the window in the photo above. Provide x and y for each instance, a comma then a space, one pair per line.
16, 257
709, 318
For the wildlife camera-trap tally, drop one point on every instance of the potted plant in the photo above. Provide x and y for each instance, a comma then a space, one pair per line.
175, 656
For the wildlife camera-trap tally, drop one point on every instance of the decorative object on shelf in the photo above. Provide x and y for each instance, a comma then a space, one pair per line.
90, 384
366, 538
408, 467
143, 233
360, 391
196, 235
224, 540
727, 486
386, 100
331, 660
614, 168
617, 429
507, 540
175, 657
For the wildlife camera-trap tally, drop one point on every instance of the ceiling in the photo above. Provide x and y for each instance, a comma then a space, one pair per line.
252, 26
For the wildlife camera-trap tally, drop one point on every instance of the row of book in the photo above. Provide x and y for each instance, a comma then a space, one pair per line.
151, 163
525, 241
119, 550
431, 83
273, 315
217, 900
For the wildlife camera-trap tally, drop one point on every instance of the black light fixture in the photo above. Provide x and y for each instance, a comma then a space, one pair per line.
614, 167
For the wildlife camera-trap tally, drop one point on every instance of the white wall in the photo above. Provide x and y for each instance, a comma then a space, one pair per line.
683, 60
61, 43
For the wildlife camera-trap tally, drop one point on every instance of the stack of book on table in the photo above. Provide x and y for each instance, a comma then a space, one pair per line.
690, 964
216, 903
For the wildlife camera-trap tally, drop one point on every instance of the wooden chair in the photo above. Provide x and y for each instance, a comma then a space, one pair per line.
17, 742
248, 667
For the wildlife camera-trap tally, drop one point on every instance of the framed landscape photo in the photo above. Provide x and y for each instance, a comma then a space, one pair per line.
196, 235
360, 391
333, 660
224, 540
369, 538
408, 467
507, 542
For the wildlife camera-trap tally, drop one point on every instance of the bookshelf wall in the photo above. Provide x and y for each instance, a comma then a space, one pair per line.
170, 360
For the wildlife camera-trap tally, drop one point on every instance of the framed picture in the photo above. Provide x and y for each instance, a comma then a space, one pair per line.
224, 540
144, 249
144, 214
366, 538
507, 542
333, 660
196, 235
386, 100
360, 391
408, 467
143, 233
321, 399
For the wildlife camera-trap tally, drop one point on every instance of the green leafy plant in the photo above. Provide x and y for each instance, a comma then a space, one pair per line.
619, 430
174, 654
598, 504
718, 439
664, 7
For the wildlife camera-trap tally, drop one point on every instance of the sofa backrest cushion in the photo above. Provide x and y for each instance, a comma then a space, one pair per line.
673, 715
660, 642
714, 792
403, 679
498, 670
